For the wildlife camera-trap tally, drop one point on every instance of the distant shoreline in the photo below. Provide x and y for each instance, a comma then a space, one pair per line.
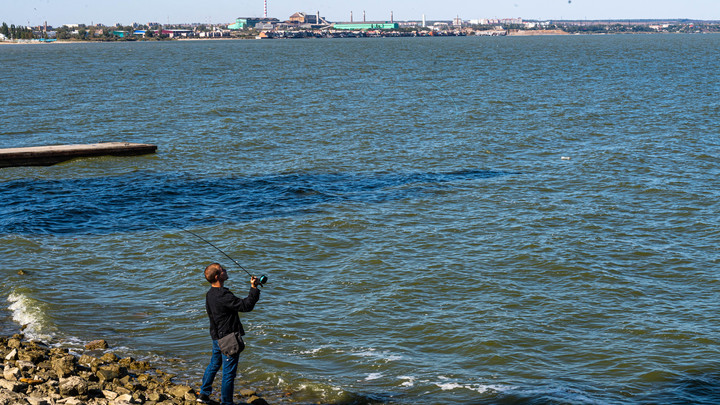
509, 33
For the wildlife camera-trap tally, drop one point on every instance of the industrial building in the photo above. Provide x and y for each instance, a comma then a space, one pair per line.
244, 22
357, 26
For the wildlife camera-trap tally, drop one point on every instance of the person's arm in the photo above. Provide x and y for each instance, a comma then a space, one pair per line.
248, 303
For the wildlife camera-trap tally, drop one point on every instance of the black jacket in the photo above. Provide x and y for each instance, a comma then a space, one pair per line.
222, 308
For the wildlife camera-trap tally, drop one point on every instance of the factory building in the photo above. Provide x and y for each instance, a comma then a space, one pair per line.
246, 23
353, 26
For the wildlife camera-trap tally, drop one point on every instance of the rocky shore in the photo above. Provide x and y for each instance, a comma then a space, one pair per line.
36, 374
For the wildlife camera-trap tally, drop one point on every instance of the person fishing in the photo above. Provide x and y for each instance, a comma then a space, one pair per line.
222, 307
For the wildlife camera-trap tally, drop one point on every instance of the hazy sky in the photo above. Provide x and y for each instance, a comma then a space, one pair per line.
58, 12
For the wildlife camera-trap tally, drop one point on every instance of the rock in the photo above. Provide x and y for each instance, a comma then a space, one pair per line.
11, 373
154, 396
70, 401
12, 355
44, 365
73, 386
179, 391
109, 358
89, 360
109, 373
140, 365
38, 401
190, 396
124, 398
110, 394
126, 361
33, 356
99, 344
255, 400
14, 342
24, 365
64, 366
138, 397
246, 392
14, 386
58, 352
9, 397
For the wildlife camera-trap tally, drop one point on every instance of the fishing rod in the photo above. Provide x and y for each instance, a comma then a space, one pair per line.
261, 280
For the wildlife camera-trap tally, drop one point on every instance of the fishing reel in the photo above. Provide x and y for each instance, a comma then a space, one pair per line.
262, 280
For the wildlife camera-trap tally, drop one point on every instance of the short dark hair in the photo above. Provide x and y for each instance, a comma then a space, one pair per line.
212, 272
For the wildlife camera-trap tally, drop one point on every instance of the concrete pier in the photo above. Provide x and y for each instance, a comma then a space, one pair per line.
50, 155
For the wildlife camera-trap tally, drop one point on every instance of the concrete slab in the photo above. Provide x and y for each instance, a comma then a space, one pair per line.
50, 155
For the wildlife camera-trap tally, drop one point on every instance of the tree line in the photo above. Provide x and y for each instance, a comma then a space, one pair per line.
14, 32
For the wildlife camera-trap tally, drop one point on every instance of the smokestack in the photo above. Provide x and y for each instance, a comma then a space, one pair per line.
317, 19
265, 8
351, 17
363, 15
424, 24
391, 17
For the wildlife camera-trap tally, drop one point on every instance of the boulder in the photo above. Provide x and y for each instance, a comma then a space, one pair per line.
14, 343
89, 360
247, 392
255, 400
14, 386
11, 373
32, 356
12, 355
109, 358
73, 386
64, 366
179, 391
123, 399
99, 344
111, 395
9, 397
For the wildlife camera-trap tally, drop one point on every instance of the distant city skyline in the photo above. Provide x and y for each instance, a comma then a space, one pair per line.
59, 12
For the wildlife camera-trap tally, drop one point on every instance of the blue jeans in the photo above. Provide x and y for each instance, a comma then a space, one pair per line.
229, 370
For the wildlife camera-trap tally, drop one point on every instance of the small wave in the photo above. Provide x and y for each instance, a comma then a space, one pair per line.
28, 313
409, 381
373, 376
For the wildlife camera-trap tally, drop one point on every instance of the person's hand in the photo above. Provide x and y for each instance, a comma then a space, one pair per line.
254, 281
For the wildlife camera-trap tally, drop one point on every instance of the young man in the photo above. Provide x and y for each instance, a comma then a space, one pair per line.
222, 307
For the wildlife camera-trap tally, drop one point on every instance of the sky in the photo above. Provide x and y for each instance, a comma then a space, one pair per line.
59, 12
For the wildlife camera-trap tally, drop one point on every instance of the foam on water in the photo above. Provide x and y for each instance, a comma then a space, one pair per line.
28, 313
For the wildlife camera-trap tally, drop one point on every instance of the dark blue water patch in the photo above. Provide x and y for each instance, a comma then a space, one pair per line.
140, 201
689, 389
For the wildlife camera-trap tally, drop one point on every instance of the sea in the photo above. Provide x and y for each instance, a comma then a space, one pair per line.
449, 220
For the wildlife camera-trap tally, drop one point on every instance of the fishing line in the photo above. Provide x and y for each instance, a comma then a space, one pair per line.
261, 280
